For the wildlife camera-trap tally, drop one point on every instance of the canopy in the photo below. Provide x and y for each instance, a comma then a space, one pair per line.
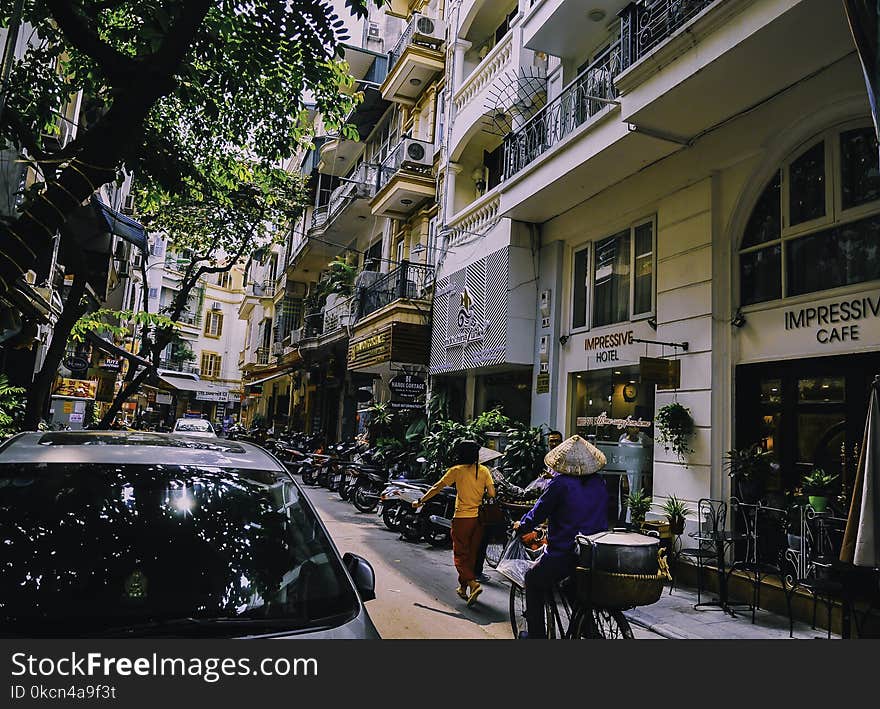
269, 378
124, 227
861, 541
184, 383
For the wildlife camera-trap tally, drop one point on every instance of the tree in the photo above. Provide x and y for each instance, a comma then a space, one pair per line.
176, 91
217, 231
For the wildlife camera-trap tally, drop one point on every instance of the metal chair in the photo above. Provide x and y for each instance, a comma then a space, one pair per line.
813, 566
766, 541
711, 519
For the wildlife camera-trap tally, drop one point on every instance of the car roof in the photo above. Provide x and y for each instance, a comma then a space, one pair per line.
134, 448
192, 420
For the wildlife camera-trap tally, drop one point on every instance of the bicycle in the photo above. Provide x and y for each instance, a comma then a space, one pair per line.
565, 616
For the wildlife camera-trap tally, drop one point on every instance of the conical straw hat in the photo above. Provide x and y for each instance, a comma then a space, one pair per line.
575, 456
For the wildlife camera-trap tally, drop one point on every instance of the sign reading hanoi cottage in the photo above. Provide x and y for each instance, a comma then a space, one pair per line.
834, 322
606, 346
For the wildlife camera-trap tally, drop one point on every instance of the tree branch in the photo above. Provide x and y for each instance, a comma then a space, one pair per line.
71, 21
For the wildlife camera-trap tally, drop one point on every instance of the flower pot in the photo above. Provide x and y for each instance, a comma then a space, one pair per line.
750, 491
676, 526
818, 502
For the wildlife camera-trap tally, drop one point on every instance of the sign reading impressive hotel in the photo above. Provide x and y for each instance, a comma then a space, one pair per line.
835, 322
606, 346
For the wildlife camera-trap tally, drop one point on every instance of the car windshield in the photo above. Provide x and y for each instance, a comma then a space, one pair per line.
93, 549
194, 425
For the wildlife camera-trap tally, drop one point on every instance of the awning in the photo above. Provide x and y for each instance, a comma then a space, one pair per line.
204, 391
123, 226
269, 378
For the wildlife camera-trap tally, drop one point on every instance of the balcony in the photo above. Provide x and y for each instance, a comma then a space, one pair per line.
415, 60
405, 180
361, 185
328, 325
176, 365
192, 319
591, 92
567, 28
261, 356
409, 281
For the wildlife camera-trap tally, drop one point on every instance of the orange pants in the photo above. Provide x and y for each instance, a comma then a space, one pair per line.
467, 533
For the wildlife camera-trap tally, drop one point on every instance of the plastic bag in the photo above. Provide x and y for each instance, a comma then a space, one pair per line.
516, 559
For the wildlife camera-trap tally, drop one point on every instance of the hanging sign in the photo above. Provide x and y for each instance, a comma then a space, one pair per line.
76, 363
407, 391
665, 373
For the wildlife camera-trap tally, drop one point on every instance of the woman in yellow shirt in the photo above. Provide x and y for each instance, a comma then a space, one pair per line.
472, 481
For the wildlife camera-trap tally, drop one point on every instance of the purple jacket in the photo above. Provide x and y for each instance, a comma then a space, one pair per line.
574, 505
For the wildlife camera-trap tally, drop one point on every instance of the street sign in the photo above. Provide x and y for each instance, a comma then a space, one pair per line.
407, 387
76, 363
542, 385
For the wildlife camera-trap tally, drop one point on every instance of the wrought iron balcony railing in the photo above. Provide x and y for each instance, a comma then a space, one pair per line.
261, 355
176, 365
646, 24
360, 185
408, 281
582, 99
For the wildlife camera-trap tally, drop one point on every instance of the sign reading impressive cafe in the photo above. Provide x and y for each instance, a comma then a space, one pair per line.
828, 326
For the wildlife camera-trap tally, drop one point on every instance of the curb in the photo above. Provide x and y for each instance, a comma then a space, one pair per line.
661, 629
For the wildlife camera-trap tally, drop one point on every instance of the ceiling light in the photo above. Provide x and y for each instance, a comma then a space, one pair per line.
617, 371
596, 15
406, 201
415, 82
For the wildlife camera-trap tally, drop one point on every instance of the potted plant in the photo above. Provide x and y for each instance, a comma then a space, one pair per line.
675, 426
817, 485
638, 503
749, 469
676, 511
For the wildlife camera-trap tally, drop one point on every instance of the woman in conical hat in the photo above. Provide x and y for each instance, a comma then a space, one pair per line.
575, 502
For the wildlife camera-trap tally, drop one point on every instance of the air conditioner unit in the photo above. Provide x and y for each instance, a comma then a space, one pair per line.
278, 348
128, 204
429, 30
417, 152
216, 305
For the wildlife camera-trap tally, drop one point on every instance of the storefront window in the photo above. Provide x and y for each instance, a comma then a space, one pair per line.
822, 390
815, 223
614, 410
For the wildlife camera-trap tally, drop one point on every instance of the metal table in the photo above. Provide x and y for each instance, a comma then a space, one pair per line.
721, 540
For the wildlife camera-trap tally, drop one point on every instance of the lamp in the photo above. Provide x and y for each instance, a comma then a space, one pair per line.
652, 322
563, 339
479, 178
739, 319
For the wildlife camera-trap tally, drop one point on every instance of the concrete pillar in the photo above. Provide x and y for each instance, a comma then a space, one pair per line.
469, 396
545, 406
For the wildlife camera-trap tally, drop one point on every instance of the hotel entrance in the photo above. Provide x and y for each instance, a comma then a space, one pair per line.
613, 409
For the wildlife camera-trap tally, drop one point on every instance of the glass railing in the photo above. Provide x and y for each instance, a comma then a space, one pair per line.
416, 32
409, 154
360, 185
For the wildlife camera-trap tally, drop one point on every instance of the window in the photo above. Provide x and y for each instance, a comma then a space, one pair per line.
224, 279
581, 284
616, 297
153, 293
157, 248
214, 324
210, 365
822, 207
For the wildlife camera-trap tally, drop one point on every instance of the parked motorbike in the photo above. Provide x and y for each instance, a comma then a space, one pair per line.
431, 522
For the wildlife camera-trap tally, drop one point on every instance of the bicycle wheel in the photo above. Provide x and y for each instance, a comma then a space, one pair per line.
602, 623
517, 609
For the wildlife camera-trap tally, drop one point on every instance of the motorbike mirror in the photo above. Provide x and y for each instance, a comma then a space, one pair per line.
362, 574
421, 459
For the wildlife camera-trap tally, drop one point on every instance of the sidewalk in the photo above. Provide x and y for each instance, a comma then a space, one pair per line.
674, 616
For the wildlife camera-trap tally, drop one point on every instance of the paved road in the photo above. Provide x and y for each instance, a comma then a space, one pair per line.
415, 583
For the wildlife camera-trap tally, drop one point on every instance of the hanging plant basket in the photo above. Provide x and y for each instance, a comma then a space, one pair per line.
675, 427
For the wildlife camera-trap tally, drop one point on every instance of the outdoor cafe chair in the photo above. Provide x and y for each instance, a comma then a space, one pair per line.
711, 519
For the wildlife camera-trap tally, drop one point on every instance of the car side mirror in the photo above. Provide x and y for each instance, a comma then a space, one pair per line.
363, 575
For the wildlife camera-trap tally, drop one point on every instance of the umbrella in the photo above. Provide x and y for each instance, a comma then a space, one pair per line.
861, 541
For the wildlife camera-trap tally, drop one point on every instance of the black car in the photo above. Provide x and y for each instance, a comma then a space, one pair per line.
133, 534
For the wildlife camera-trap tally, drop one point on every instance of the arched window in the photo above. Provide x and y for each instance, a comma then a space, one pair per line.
816, 225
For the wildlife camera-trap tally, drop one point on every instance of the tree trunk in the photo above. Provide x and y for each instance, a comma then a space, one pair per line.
126, 391
40, 390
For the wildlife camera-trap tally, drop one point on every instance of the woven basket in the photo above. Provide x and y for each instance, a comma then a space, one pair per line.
606, 589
